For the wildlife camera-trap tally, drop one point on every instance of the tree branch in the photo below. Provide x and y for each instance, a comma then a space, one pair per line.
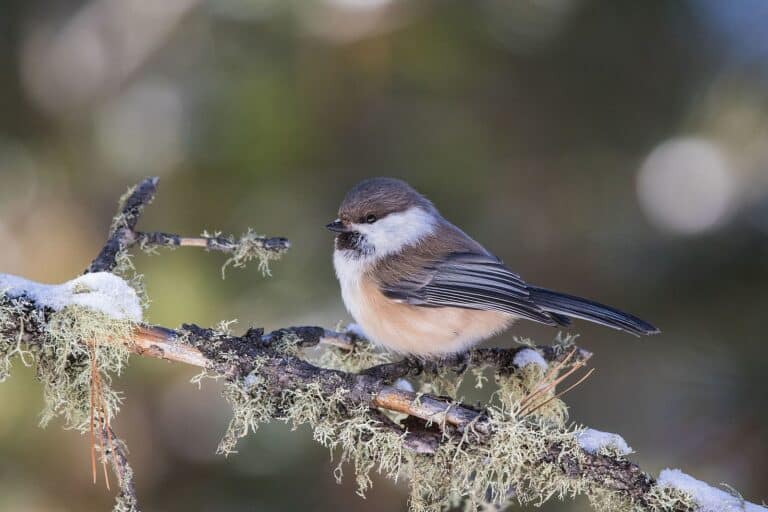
117, 453
123, 236
277, 361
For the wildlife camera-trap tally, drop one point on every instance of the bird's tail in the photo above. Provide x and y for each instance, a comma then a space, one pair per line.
561, 305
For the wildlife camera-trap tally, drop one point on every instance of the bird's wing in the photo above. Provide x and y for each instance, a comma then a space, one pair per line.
470, 281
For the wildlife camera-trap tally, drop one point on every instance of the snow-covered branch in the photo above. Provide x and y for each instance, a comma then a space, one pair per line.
517, 447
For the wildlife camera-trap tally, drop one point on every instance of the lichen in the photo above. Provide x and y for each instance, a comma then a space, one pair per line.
12, 329
125, 503
348, 431
76, 338
507, 466
120, 220
361, 356
67, 342
665, 499
125, 268
523, 387
249, 247
252, 405
520, 460
657, 500
517, 457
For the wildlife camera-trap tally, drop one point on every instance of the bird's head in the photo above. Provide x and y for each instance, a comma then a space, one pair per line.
381, 216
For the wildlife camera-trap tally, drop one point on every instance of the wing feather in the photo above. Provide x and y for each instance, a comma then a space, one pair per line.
471, 281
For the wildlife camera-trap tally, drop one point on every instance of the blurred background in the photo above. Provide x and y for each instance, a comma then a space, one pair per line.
616, 150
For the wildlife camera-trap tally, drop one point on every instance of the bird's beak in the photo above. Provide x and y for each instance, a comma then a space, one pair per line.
337, 226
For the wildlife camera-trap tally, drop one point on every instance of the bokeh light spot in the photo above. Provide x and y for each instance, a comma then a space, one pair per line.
686, 185
359, 4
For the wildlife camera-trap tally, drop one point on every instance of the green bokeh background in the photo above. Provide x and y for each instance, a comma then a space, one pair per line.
527, 122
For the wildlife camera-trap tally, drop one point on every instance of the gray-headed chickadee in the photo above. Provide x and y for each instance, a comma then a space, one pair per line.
419, 285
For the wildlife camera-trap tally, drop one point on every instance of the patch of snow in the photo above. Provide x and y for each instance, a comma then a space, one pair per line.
707, 498
404, 385
594, 441
250, 380
99, 291
528, 356
356, 330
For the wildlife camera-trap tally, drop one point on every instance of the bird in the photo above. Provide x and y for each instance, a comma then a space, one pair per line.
419, 286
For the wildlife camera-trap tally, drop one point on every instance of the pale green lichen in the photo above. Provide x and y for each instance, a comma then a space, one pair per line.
68, 347
252, 405
658, 499
126, 269
74, 336
349, 431
250, 246
360, 356
62, 357
509, 466
125, 503
519, 461
520, 385
120, 220
12, 343
442, 383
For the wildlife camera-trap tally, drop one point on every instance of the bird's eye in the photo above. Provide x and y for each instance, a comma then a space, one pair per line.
370, 218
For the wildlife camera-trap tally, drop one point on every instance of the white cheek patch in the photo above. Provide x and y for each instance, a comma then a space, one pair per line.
397, 230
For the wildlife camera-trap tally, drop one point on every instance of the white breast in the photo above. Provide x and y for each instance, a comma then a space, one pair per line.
350, 269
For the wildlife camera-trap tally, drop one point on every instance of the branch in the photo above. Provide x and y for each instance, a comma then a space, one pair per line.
123, 236
449, 449
117, 454
287, 373
210, 243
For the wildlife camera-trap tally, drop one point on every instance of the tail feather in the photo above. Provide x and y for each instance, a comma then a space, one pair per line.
562, 305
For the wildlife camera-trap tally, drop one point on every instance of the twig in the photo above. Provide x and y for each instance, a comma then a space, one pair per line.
123, 235
210, 243
120, 466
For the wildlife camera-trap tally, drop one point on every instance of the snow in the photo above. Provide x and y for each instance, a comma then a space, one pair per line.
528, 356
593, 441
404, 385
356, 330
708, 498
99, 291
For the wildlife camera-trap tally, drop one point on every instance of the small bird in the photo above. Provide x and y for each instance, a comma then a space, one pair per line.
420, 286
